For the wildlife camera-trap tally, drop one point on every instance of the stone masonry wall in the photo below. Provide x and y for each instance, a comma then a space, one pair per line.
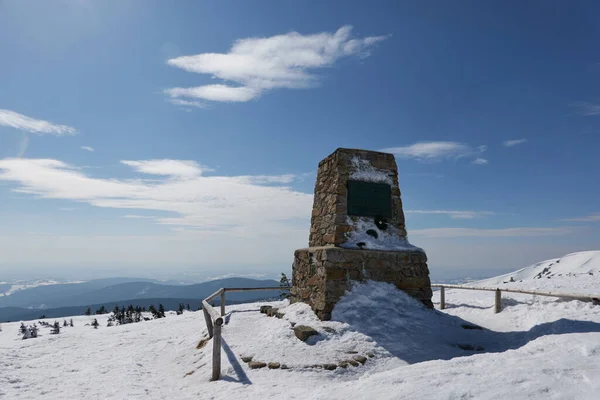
329, 221
321, 275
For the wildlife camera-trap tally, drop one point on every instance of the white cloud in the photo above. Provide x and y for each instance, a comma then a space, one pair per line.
177, 168
595, 217
88, 148
454, 214
480, 161
133, 216
187, 103
513, 142
503, 232
240, 205
255, 65
37, 126
587, 109
215, 93
435, 151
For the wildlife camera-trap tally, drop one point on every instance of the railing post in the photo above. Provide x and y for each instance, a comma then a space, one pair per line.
222, 302
209, 323
442, 298
216, 358
497, 306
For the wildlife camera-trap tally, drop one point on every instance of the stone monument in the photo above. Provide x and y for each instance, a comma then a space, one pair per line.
357, 233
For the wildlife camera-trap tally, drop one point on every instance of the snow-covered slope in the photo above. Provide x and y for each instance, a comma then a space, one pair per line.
576, 272
533, 349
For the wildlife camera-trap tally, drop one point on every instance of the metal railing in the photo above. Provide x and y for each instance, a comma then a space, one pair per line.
214, 322
498, 298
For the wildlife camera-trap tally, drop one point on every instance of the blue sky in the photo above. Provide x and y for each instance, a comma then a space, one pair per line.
141, 136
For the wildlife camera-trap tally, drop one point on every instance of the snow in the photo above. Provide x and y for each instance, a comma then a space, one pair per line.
388, 239
536, 348
364, 171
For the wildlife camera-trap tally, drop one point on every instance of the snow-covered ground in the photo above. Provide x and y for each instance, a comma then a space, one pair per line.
536, 348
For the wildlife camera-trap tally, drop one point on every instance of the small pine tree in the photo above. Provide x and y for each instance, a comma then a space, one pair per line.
180, 309
188, 306
95, 323
42, 316
33, 331
65, 323
88, 311
161, 310
110, 321
71, 322
284, 283
23, 328
152, 310
55, 328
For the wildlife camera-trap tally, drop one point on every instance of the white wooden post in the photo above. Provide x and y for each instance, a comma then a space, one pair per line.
222, 302
216, 358
497, 306
442, 298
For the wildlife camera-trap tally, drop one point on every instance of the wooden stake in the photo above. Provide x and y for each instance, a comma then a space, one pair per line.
216, 358
222, 303
442, 298
497, 306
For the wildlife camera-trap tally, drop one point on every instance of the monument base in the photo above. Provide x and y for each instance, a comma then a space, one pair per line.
321, 275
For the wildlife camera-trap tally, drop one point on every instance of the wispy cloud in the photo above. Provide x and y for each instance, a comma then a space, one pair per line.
241, 205
133, 216
255, 65
480, 161
88, 148
454, 214
40, 127
436, 151
187, 103
595, 217
513, 142
504, 232
589, 109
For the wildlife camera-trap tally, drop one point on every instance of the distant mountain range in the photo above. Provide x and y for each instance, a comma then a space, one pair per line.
74, 298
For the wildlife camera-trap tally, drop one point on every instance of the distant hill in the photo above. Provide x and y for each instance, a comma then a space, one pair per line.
4, 287
8, 314
75, 298
47, 294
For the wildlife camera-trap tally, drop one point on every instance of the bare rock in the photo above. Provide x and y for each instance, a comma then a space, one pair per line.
303, 332
256, 364
329, 330
329, 367
274, 365
272, 311
279, 314
247, 359
264, 309
360, 359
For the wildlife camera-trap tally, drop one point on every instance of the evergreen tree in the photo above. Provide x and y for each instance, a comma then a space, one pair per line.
101, 310
284, 284
23, 328
65, 323
188, 306
95, 323
55, 328
33, 331
180, 308
71, 322
42, 316
88, 311
152, 310
161, 310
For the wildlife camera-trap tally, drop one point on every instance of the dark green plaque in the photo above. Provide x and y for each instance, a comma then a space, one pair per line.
369, 199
